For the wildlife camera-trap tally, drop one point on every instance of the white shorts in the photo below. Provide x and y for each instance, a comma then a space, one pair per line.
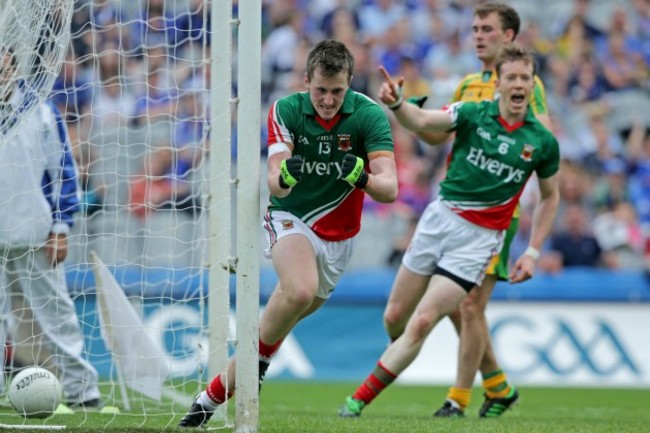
444, 240
332, 257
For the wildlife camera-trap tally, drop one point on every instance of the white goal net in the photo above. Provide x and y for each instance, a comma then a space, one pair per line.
33, 39
134, 92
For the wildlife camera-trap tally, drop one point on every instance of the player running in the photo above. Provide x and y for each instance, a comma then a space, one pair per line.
320, 143
498, 145
494, 25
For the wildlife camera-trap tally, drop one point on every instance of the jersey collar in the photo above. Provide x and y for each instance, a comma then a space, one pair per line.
487, 75
494, 111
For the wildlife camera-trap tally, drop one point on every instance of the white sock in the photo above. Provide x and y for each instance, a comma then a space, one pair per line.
205, 401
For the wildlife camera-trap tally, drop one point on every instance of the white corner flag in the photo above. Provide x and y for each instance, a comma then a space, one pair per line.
140, 362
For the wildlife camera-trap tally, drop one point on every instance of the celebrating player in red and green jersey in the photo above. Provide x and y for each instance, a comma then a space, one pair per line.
327, 146
498, 146
494, 25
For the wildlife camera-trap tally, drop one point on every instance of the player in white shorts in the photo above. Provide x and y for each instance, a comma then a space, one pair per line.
328, 147
446, 244
498, 146
332, 258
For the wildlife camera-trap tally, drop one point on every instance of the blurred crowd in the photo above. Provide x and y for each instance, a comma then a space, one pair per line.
147, 63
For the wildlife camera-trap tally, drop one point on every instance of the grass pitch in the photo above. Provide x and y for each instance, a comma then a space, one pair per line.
312, 407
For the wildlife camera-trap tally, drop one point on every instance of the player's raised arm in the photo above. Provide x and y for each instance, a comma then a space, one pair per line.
410, 116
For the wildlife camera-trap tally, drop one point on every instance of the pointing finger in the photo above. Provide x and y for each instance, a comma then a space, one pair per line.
386, 75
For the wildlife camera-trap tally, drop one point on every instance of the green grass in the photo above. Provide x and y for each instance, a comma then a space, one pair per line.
311, 408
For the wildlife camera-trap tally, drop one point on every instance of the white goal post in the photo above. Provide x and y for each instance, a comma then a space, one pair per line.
248, 217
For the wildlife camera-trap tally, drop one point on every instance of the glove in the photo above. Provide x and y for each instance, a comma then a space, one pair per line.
290, 172
353, 172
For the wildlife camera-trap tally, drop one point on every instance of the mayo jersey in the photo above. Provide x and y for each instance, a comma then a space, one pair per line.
491, 161
322, 199
481, 86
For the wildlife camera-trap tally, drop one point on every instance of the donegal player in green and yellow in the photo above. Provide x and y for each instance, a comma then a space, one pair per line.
494, 25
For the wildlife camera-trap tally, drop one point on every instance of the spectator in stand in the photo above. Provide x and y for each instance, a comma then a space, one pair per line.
191, 29
622, 25
611, 188
623, 68
72, 91
378, 17
394, 46
113, 103
447, 63
531, 36
603, 143
278, 55
341, 15
107, 27
587, 83
574, 189
80, 25
570, 49
433, 22
346, 31
166, 180
641, 22
619, 234
574, 244
151, 28
157, 102
580, 14
414, 84
639, 159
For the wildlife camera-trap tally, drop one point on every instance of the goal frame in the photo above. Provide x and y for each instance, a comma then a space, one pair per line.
245, 262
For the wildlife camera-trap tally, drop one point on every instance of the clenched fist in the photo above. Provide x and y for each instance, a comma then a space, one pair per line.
353, 172
290, 172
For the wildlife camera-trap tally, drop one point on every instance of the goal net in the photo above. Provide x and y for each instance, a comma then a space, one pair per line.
33, 39
134, 91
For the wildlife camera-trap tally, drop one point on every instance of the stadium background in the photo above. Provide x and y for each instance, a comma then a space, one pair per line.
135, 95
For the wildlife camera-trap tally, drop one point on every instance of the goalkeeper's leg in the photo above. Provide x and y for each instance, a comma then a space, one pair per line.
47, 294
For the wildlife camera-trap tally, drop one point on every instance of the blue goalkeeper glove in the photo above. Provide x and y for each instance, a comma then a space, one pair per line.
290, 172
353, 172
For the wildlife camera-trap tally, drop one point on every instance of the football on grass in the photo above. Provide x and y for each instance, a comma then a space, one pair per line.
35, 392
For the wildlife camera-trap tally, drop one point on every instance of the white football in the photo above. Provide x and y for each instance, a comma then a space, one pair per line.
35, 392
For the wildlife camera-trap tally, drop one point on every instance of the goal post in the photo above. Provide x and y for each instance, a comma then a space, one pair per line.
220, 261
248, 215
245, 262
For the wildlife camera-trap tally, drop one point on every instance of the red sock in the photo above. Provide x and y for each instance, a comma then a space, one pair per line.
217, 391
268, 350
379, 379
